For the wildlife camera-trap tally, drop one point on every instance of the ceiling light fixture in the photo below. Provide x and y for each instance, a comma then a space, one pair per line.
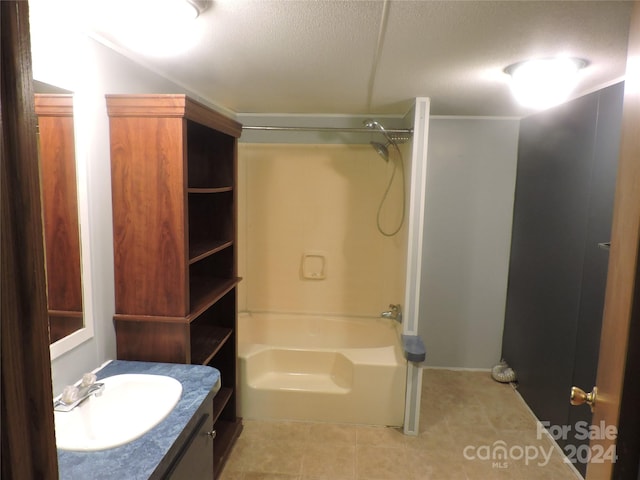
198, 6
158, 28
546, 82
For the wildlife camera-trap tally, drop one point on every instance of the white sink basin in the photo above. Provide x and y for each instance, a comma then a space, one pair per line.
130, 406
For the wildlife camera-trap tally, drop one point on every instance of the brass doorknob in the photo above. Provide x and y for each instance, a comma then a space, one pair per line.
579, 397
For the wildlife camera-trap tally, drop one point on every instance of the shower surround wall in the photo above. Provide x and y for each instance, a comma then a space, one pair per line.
317, 274
320, 200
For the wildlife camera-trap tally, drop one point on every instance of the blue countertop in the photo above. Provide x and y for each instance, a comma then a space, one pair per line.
138, 459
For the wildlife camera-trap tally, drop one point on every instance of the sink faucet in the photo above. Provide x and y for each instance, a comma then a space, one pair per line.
395, 313
73, 396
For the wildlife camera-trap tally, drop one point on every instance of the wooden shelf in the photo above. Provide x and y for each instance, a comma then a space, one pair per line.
209, 291
206, 340
203, 249
220, 401
210, 190
66, 313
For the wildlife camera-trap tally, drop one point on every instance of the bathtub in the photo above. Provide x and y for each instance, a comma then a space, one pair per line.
324, 369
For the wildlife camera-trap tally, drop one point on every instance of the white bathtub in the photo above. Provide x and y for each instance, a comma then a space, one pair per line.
325, 369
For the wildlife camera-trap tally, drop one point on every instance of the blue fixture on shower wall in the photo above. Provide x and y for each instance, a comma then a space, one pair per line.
414, 349
412, 345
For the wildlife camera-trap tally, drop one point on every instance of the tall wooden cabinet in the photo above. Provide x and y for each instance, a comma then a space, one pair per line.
174, 172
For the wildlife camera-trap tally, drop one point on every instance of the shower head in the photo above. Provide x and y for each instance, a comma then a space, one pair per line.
376, 125
393, 136
373, 124
382, 150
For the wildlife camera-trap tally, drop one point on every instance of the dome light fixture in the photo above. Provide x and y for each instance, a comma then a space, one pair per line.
198, 6
157, 28
545, 82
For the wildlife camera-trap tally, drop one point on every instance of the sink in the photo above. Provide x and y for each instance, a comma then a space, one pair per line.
130, 406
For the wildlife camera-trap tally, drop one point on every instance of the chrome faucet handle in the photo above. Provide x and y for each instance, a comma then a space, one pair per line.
395, 313
70, 394
88, 379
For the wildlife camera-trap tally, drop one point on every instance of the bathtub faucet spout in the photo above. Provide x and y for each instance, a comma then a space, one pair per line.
395, 313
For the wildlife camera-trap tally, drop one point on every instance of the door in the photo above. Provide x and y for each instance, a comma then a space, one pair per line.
617, 391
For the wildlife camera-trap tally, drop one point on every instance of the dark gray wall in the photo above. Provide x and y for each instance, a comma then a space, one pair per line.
567, 162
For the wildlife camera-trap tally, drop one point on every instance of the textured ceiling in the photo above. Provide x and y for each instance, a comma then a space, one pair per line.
374, 57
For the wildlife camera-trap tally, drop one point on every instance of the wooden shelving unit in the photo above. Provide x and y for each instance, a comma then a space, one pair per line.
174, 177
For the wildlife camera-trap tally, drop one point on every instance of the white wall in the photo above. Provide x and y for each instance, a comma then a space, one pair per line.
469, 205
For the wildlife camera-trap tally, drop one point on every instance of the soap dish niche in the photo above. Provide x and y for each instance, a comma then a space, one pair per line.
313, 266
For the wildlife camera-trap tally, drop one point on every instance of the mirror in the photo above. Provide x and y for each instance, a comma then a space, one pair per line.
61, 67
58, 183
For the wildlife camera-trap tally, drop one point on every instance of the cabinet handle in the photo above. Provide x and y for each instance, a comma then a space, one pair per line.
212, 434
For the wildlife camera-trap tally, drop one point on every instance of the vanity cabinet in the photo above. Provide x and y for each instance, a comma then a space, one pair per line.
60, 213
192, 455
174, 176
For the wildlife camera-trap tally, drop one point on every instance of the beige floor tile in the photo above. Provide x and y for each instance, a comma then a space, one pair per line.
512, 418
274, 431
382, 463
490, 470
380, 436
433, 424
495, 400
433, 443
469, 415
337, 434
552, 471
472, 435
284, 457
440, 464
445, 396
425, 468
268, 476
231, 475
528, 438
239, 453
329, 461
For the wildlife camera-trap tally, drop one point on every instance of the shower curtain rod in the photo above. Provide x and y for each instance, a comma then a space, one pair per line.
406, 131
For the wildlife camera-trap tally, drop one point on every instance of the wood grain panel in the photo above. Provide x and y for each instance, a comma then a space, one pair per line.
54, 105
149, 211
60, 204
623, 263
27, 433
153, 341
177, 105
62, 324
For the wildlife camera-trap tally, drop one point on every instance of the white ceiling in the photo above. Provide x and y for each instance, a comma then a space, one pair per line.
319, 56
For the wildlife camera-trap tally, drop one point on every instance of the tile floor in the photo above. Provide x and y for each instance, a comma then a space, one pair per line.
462, 415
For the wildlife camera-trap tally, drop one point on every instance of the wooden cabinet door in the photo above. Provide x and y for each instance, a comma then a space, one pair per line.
618, 392
195, 458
